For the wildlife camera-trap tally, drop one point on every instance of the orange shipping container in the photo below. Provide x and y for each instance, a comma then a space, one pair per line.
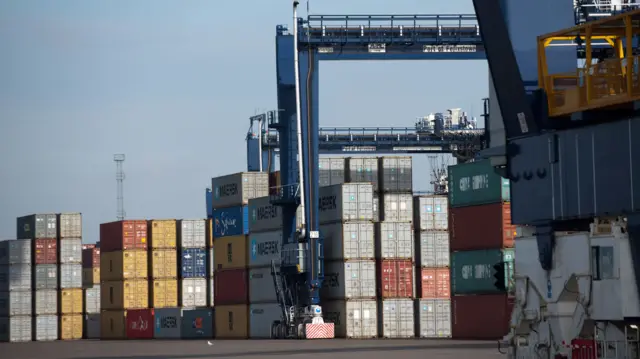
435, 283
90, 276
164, 293
128, 294
395, 278
232, 321
162, 233
113, 324
71, 301
121, 265
164, 263
230, 252
71, 326
486, 226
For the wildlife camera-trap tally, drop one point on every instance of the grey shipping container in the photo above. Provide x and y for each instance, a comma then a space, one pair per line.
193, 292
45, 302
197, 323
70, 276
396, 207
92, 299
397, 318
431, 213
45, 328
331, 171
396, 174
356, 319
263, 216
264, 247
349, 240
433, 249
354, 279
45, 276
261, 288
16, 329
38, 226
91, 327
238, 188
261, 316
433, 318
15, 277
70, 225
17, 302
192, 233
472, 271
363, 169
167, 323
376, 208
15, 252
394, 240
70, 250
346, 202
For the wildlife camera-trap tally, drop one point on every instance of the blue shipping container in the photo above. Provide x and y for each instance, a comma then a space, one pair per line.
193, 263
233, 221
209, 201
197, 323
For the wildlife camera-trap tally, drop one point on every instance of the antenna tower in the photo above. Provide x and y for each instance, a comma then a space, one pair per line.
119, 160
439, 175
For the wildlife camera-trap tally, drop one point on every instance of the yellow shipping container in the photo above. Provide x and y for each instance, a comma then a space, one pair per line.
164, 293
232, 321
113, 324
71, 326
162, 233
128, 294
164, 263
90, 276
230, 252
122, 265
71, 301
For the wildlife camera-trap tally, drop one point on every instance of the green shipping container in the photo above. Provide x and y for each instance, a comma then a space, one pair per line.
472, 271
476, 183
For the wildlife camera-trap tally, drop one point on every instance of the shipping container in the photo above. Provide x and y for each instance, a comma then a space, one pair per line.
397, 318
211, 295
376, 208
193, 263
480, 317
37, 226
481, 227
433, 318
90, 276
71, 301
232, 321
121, 265
209, 232
45, 328
433, 249
70, 251
264, 247
197, 323
431, 213
193, 292
434, 283
123, 235
45, 302
261, 289
16, 329
92, 300
231, 286
396, 174
266, 217
164, 263
17, 302
71, 326
473, 271
128, 294
113, 324
476, 183
394, 240
192, 233
164, 293
211, 263
45, 251
354, 318
354, 279
15, 277
261, 317
230, 252
92, 326
346, 202
69, 225
349, 240
70, 275
238, 188
163, 233
396, 278
45, 276
91, 257
396, 207
331, 171
231, 221
15, 252
167, 323
140, 324
362, 169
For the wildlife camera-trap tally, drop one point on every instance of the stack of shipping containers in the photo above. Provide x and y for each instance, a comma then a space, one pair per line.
70, 300
481, 235
163, 263
331, 171
16, 320
91, 288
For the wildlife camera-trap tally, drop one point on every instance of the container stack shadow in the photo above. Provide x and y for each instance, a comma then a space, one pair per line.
91, 288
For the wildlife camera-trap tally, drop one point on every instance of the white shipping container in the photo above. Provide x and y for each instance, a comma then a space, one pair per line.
433, 249
349, 240
396, 207
16, 251
264, 247
396, 174
16, 329
238, 188
434, 318
261, 316
261, 288
363, 169
431, 213
356, 319
70, 250
17, 302
70, 276
192, 233
92, 299
331, 171
15, 277
45, 302
45, 328
70, 225
354, 279
376, 208
92, 326
264, 217
346, 202
194, 292
394, 240
397, 318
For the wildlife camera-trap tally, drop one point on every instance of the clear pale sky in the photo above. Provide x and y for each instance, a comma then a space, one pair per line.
171, 84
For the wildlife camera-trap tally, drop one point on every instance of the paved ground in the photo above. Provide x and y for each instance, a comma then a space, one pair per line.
252, 349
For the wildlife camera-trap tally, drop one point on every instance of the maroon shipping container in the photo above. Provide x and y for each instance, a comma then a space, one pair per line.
121, 235
140, 323
91, 258
479, 317
45, 251
486, 226
395, 278
231, 287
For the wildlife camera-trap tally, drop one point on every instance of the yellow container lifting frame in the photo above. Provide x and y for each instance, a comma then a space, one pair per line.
611, 83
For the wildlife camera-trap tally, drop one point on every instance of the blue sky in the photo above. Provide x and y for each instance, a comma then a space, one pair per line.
171, 84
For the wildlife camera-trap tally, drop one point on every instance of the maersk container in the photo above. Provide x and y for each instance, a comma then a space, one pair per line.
433, 249
92, 299
45, 328
354, 279
168, 322
397, 319
192, 233
346, 202
475, 183
193, 292
70, 275
45, 302
15, 277
355, 318
92, 326
69, 225
38, 226
261, 288
431, 213
433, 317
363, 169
472, 271
197, 323
231, 221
394, 240
264, 247
70, 250
396, 174
17, 302
349, 240
396, 207
261, 317
193, 263
15, 252
238, 188
266, 217
331, 171
16, 329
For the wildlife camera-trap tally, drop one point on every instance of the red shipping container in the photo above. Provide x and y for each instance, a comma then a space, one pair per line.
395, 278
140, 323
486, 226
479, 317
91, 258
121, 235
434, 283
45, 251
231, 287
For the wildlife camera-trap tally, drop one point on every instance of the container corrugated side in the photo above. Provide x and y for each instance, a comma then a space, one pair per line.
331, 171
15, 252
433, 318
163, 233
354, 279
123, 265
394, 240
197, 323
261, 289
431, 213
231, 287
163, 263
192, 233
481, 227
45, 302
396, 174
15, 277
349, 240
45, 251
476, 183
90, 276
396, 278
128, 294
266, 217
346, 202
17, 302
45, 328
70, 251
231, 221
34, 226
230, 252
70, 275
363, 169
113, 324
354, 318
193, 263
164, 293
45, 276
71, 326
232, 322
71, 301
16, 329
264, 247
261, 317
123, 235
396, 207
472, 271
193, 292
70, 225
140, 324
432, 249
397, 319
480, 317
92, 326
168, 322
92, 299
238, 188
434, 283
